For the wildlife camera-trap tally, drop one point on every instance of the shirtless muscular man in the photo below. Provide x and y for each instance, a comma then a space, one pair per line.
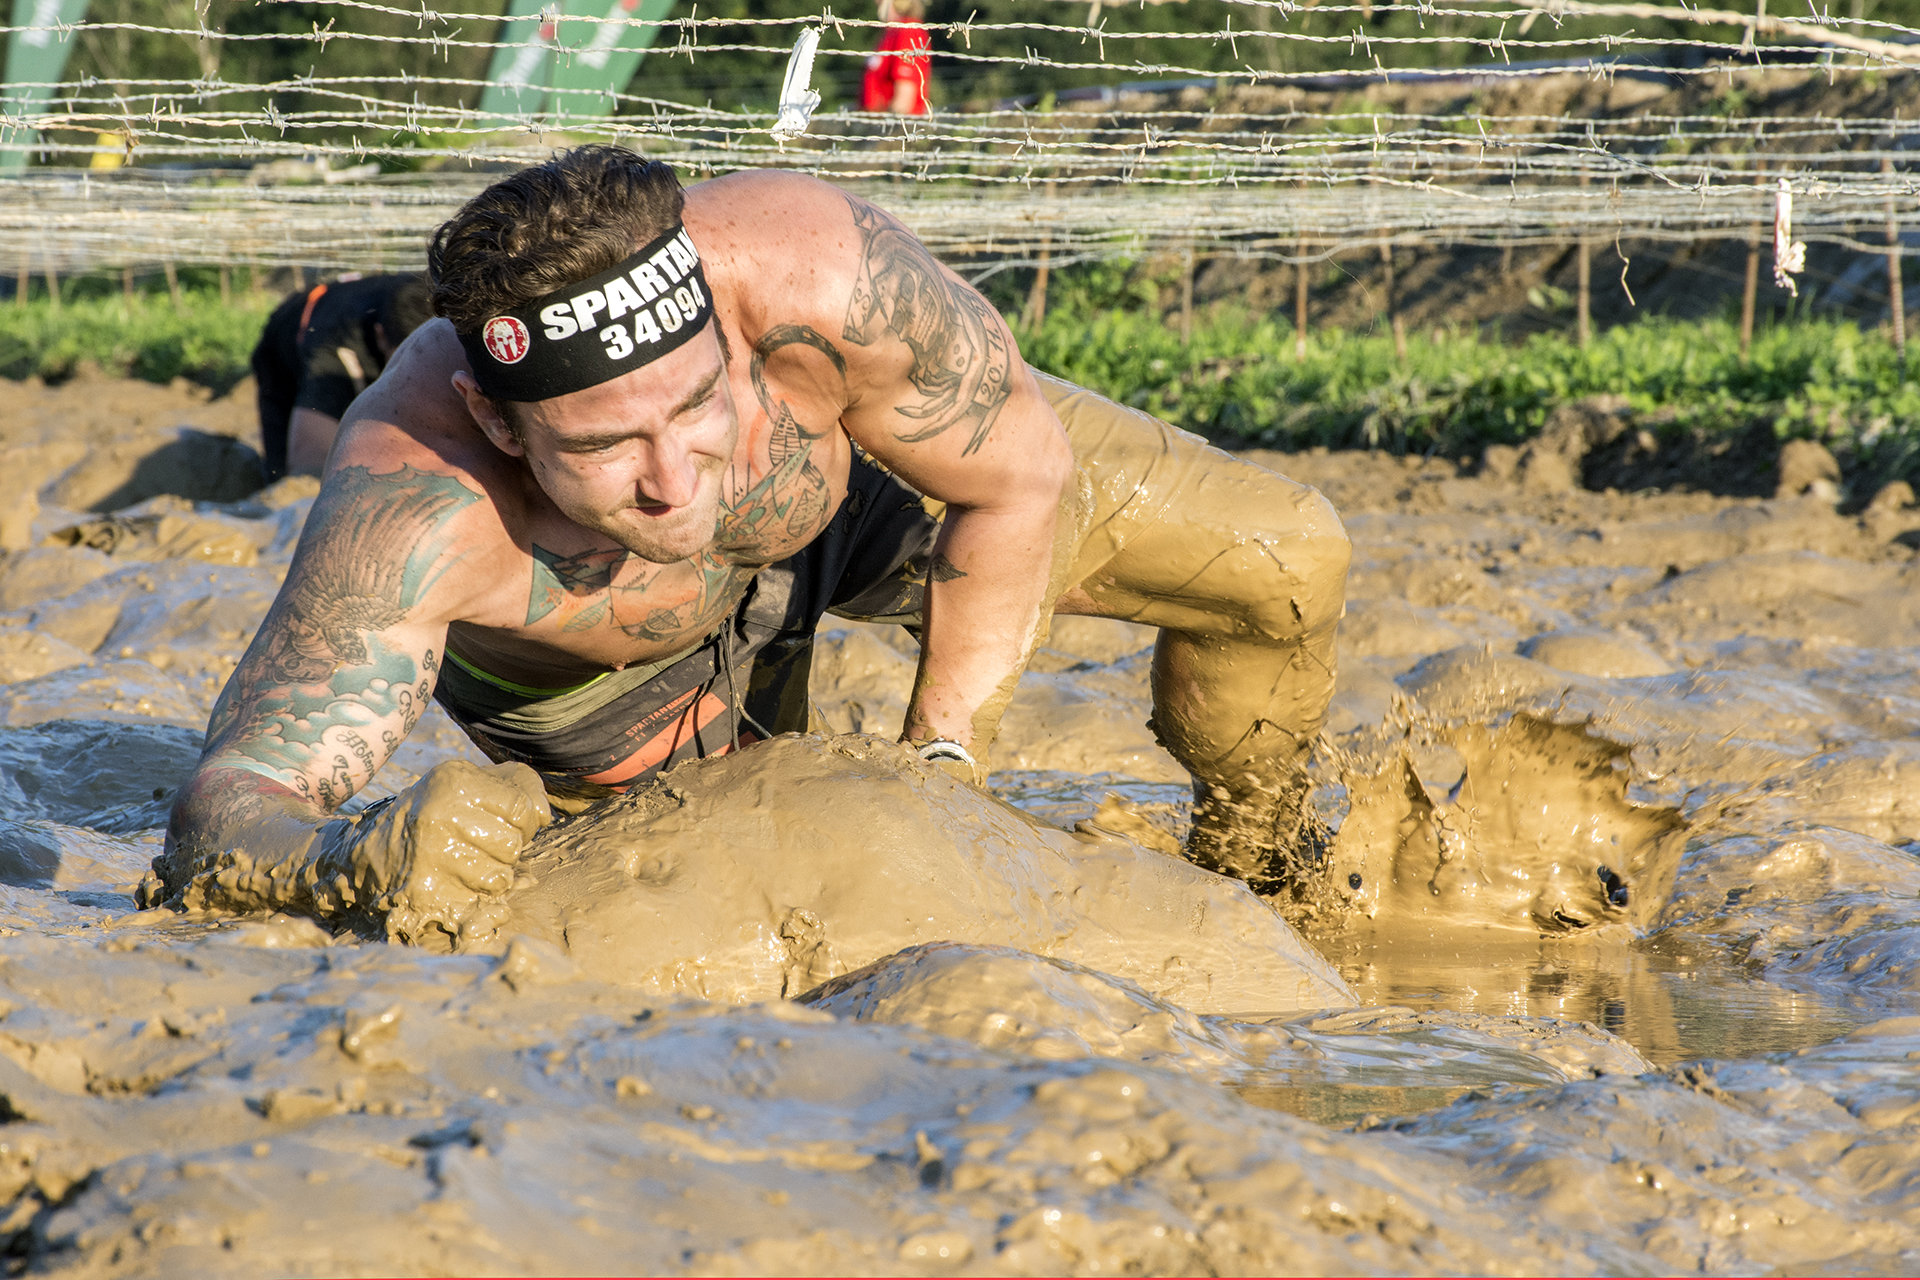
598, 506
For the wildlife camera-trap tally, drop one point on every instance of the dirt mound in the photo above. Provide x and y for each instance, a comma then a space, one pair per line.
765, 874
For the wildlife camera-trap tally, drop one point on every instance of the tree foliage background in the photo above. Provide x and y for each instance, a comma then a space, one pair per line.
748, 78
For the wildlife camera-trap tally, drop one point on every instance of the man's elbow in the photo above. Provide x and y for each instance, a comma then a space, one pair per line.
216, 802
218, 812
1053, 470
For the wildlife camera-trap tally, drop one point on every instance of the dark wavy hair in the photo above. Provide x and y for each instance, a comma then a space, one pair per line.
545, 227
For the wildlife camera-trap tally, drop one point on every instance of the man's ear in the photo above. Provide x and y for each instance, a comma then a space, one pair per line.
483, 410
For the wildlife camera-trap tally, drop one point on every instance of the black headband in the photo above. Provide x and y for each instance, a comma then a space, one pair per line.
596, 329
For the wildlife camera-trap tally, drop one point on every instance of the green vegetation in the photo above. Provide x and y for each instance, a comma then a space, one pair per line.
142, 336
1237, 380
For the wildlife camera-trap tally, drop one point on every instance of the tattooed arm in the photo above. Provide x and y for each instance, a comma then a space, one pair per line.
940, 395
338, 674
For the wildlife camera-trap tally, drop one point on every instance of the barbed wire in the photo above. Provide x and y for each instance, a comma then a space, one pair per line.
1821, 28
77, 222
1292, 164
1877, 53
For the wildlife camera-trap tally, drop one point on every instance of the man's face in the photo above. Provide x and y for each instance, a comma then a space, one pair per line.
641, 458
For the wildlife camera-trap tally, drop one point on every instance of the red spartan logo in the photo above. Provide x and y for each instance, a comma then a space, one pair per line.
507, 339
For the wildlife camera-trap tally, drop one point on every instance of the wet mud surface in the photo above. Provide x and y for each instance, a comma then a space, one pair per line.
1613, 964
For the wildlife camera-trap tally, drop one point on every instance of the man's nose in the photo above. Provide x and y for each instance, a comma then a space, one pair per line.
668, 475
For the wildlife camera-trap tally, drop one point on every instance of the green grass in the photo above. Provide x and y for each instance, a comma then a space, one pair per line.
1238, 381
143, 336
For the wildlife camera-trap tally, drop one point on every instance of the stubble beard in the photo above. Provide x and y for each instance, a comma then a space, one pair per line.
680, 536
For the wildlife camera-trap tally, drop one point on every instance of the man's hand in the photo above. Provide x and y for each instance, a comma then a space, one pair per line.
441, 856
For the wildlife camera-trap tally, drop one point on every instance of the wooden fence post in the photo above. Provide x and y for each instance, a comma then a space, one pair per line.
1300, 302
1395, 322
1583, 300
173, 283
23, 283
1186, 298
1896, 296
1036, 309
1750, 294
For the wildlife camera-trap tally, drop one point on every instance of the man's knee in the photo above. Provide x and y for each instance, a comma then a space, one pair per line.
1309, 552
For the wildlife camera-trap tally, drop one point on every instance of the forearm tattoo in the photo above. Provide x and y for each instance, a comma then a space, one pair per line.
318, 679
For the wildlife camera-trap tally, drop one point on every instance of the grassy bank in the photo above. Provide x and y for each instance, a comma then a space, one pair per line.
142, 336
1238, 380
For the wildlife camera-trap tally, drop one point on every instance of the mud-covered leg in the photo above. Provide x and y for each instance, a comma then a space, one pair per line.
1245, 573
1242, 716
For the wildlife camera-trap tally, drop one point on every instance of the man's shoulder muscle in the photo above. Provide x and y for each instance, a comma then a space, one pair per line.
796, 266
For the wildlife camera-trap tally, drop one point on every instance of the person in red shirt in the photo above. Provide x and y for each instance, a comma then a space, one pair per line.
897, 74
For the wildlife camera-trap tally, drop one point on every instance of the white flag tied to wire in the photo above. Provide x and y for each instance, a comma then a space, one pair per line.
1789, 255
797, 101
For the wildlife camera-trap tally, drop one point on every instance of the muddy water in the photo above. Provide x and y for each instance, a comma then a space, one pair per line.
1613, 966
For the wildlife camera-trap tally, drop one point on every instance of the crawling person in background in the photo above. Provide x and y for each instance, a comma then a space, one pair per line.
599, 506
322, 347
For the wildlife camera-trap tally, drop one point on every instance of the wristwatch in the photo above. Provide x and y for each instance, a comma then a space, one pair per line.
947, 749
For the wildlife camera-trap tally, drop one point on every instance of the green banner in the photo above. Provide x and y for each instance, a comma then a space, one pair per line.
522, 70
595, 60
35, 61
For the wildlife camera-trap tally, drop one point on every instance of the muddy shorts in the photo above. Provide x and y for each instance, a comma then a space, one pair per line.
746, 681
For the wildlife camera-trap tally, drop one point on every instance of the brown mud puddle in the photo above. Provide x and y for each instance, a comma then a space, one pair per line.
1616, 967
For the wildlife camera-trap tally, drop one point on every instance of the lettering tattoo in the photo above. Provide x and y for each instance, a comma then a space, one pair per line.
321, 681
962, 358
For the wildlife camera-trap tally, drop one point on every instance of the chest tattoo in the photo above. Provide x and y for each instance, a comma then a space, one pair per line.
790, 501
657, 603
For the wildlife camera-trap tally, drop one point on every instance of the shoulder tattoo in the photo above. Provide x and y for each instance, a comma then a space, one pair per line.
962, 367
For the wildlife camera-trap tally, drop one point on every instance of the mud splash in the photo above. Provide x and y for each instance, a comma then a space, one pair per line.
812, 1008
1525, 824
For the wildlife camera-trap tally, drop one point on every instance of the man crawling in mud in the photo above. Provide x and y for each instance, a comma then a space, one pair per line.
599, 505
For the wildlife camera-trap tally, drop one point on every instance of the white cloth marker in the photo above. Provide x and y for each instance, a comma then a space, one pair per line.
1789, 255
797, 101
